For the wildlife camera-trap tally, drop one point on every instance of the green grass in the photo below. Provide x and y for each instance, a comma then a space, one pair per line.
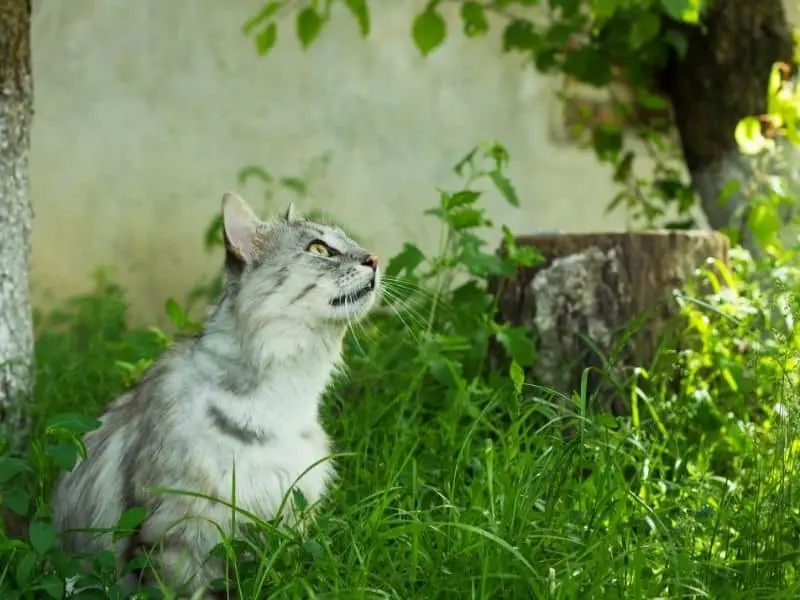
469, 488
461, 479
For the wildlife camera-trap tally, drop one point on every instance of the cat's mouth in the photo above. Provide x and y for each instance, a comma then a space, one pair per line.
355, 296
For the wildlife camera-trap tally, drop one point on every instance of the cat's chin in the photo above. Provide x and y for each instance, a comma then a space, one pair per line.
355, 306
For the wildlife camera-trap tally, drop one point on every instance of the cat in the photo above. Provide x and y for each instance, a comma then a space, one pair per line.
243, 394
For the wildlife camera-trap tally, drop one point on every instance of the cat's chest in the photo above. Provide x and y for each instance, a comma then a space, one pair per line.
258, 471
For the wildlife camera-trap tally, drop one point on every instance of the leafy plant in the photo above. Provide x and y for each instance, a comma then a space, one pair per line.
617, 45
457, 479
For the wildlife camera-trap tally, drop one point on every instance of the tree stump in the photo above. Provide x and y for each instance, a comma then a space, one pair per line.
602, 301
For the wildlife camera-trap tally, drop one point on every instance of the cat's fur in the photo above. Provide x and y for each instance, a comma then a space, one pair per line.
244, 394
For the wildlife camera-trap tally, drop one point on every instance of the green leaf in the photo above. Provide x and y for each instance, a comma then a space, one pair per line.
43, 536
79, 446
520, 35
559, 34
650, 100
265, 39
678, 41
728, 190
297, 185
213, 236
256, 171
523, 256
17, 500
623, 168
129, 521
685, 11
446, 372
748, 136
64, 455
547, 60
269, 9
569, 8
175, 313
481, 264
588, 65
309, 24
314, 549
504, 186
474, 18
72, 422
11, 467
52, 585
499, 155
408, 259
517, 344
462, 198
131, 518
604, 9
607, 142
644, 29
428, 31
618, 199
361, 13
25, 570
764, 223
299, 499
517, 376
467, 159
466, 218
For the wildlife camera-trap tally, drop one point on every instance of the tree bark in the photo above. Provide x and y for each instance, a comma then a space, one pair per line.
723, 78
603, 302
16, 113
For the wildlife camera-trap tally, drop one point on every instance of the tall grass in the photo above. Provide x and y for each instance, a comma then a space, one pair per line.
457, 477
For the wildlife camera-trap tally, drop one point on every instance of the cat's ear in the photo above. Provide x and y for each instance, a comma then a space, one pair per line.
290, 214
240, 227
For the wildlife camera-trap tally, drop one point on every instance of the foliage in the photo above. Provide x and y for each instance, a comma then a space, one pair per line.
458, 479
620, 46
771, 141
617, 45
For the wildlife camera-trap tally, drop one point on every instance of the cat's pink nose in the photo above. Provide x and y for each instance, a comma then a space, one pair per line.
371, 261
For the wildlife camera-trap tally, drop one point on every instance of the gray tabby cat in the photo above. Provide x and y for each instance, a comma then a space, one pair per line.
243, 394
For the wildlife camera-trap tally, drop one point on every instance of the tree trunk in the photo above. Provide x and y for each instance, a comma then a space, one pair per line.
603, 302
16, 113
723, 78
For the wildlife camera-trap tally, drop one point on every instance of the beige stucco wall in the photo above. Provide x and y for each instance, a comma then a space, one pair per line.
146, 110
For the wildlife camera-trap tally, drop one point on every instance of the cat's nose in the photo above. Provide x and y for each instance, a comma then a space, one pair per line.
371, 261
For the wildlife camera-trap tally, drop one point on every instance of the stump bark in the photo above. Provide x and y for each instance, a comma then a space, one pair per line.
604, 302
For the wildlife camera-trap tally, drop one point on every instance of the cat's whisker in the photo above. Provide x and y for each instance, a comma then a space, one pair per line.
407, 285
353, 327
417, 320
418, 292
400, 305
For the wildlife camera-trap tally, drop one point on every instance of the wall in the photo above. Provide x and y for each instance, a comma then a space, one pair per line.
146, 110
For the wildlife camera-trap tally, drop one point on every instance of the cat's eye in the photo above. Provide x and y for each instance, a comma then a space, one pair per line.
321, 248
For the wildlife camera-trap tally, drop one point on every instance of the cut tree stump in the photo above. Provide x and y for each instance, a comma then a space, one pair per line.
602, 301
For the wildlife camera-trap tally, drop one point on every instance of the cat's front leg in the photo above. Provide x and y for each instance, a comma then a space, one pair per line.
180, 558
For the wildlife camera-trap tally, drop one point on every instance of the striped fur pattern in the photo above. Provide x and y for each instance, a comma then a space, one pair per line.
243, 395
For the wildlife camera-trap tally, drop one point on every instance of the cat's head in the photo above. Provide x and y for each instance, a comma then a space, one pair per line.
293, 269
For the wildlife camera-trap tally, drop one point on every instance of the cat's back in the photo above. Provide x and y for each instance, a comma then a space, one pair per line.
94, 493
